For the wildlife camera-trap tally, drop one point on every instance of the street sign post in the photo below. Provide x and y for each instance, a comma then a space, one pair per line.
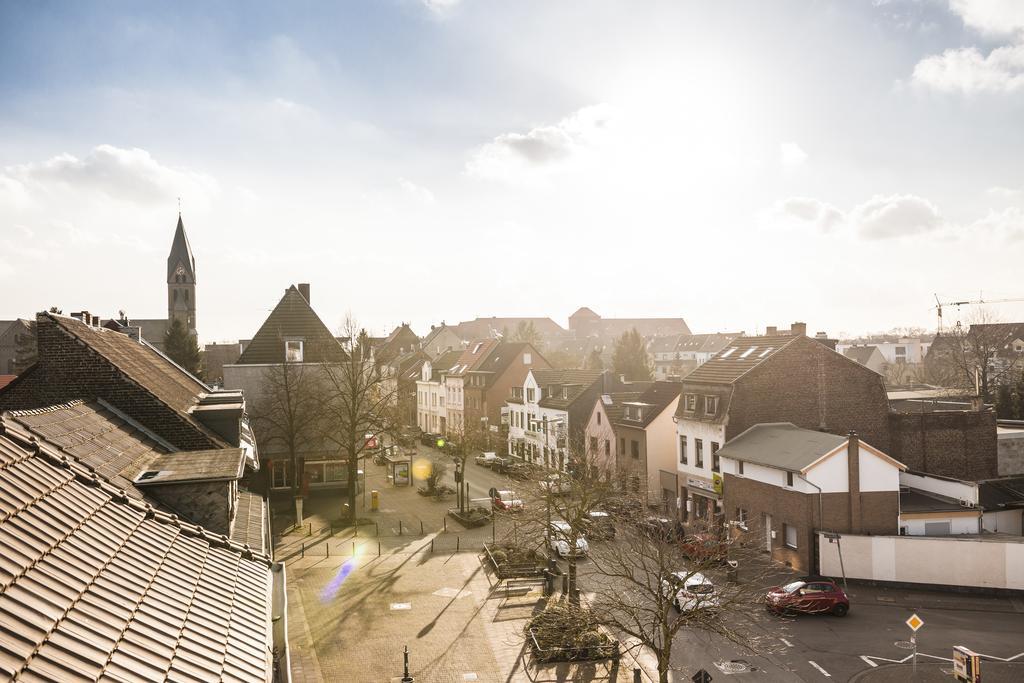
914, 622
966, 665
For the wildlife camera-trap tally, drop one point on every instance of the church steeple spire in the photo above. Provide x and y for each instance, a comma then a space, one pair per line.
181, 280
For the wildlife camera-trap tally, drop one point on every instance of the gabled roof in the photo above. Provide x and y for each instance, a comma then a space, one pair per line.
141, 363
614, 404
861, 354
472, 356
401, 340
502, 356
94, 584
781, 445
479, 328
443, 363
706, 343
575, 381
739, 357
654, 400
181, 252
292, 318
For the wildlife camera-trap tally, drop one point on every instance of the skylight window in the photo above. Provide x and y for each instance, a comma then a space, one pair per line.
766, 352
728, 352
748, 352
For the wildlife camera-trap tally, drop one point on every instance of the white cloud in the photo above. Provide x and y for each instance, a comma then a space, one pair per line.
821, 215
882, 217
128, 175
1008, 223
969, 71
997, 17
439, 6
791, 154
417, 192
548, 146
1004, 192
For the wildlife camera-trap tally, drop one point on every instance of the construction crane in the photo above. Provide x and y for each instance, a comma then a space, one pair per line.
939, 304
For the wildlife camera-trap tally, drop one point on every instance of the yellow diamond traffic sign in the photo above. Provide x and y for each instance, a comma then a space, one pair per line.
915, 622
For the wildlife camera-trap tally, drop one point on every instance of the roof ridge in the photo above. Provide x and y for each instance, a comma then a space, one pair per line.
52, 408
89, 477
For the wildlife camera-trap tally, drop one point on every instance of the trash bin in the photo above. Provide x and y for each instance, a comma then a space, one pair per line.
733, 572
374, 500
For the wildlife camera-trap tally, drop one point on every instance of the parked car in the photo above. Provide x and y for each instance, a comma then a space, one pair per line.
661, 528
556, 484
429, 438
507, 501
600, 525
500, 465
705, 548
690, 591
818, 596
485, 459
558, 540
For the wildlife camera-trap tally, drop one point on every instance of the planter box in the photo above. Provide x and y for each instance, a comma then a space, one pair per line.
472, 518
515, 569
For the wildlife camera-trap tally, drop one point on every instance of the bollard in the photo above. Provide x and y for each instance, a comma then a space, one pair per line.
303, 549
353, 548
310, 529
431, 546
444, 523
399, 527
328, 547
376, 528
421, 527
378, 548
457, 540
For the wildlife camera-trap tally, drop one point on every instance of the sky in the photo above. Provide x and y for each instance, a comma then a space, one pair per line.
738, 164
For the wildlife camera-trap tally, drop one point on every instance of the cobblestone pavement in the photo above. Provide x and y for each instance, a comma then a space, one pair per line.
352, 610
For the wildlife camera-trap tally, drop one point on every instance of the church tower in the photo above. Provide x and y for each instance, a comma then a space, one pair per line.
181, 281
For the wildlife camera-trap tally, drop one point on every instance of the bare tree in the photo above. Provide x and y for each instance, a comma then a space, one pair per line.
653, 581
978, 357
357, 404
287, 414
468, 438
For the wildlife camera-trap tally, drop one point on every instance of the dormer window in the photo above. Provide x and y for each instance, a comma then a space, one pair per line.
565, 392
711, 405
293, 351
690, 403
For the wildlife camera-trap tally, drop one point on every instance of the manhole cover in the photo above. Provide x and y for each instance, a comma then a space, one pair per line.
904, 644
731, 667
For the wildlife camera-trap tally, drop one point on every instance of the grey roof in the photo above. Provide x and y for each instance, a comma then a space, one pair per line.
781, 445
861, 354
96, 585
181, 252
915, 500
182, 466
443, 363
1000, 494
577, 382
655, 399
250, 520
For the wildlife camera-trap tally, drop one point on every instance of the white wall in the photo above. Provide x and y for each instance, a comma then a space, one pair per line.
958, 523
694, 429
662, 447
957, 490
943, 561
1004, 521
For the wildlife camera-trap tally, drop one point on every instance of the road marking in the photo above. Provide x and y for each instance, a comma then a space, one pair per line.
816, 666
868, 660
401, 605
788, 644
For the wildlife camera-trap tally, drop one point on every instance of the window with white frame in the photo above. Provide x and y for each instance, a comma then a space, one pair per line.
682, 450
293, 351
690, 403
790, 535
711, 405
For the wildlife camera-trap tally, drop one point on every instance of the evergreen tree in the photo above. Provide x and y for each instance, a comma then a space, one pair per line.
182, 347
1004, 403
630, 357
594, 361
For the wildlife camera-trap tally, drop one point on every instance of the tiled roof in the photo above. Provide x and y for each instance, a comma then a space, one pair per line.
577, 382
140, 363
655, 400
292, 317
95, 585
614, 403
741, 356
444, 362
706, 343
96, 436
483, 327
6, 379
250, 517
472, 356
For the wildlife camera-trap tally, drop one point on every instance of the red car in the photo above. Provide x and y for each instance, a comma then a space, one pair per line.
813, 596
705, 548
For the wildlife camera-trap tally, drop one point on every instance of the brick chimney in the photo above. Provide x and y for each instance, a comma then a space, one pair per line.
771, 331
798, 329
853, 472
303, 288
